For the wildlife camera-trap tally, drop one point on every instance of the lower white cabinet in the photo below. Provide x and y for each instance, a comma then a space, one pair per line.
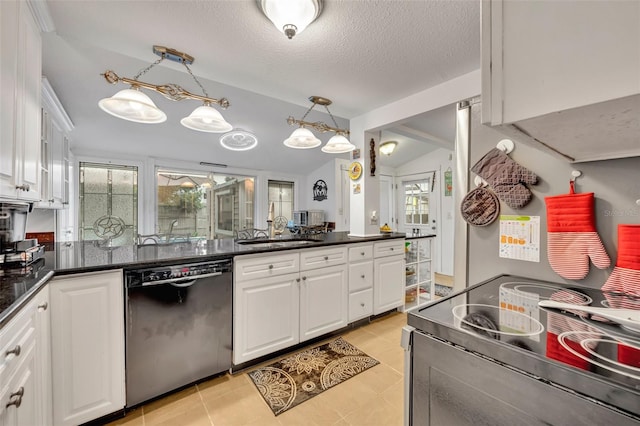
323, 301
279, 311
25, 369
388, 283
265, 316
87, 330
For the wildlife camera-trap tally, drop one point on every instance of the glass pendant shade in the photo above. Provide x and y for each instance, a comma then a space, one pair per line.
206, 119
337, 145
287, 13
387, 148
132, 105
302, 138
239, 140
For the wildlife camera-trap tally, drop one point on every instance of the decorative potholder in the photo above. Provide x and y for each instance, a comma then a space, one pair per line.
480, 207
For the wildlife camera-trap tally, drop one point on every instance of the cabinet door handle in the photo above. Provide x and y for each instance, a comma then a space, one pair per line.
270, 266
15, 351
23, 187
391, 248
362, 304
326, 258
304, 278
43, 306
362, 276
18, 401
362, 253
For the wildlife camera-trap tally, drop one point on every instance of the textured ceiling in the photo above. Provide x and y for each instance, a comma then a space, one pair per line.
361, 54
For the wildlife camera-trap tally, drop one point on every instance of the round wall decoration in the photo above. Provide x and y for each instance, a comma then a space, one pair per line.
355, 170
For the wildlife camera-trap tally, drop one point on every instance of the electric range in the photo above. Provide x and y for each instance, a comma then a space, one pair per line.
500, 320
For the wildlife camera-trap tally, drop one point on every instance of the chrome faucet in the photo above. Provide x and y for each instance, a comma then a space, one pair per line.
173, 223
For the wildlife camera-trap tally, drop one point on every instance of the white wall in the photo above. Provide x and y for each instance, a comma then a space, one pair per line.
336, 206
42, 220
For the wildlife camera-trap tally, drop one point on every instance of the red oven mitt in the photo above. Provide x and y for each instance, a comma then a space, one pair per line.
571, 235
622, 289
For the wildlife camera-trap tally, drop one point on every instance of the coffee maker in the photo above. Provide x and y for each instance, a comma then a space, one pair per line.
15, 250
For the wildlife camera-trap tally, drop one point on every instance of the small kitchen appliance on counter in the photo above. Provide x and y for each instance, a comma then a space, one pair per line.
15, 250
493, 353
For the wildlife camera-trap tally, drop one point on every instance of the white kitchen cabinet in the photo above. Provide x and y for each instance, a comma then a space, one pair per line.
87, 329
55, 125
360, 281
563, 76
265, 315
282, 299
388, 284
20, 73
25, 369
323, 301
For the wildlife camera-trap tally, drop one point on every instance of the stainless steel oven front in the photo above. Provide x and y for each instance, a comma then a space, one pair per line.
178, 326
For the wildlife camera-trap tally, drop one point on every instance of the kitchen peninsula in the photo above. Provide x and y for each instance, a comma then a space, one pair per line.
329, 281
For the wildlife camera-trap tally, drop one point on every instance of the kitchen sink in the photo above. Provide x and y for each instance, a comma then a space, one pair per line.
262, 243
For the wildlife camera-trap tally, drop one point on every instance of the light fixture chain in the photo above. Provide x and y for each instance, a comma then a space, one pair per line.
194, 77
331, 115
145, 70
308, 111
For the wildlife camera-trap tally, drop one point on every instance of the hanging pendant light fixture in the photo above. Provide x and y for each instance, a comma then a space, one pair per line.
291, 17
133, 105
302, 138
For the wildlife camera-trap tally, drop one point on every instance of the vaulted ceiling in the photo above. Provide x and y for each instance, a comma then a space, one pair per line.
360, 54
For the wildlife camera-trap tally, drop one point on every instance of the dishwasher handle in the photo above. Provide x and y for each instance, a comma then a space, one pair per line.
180, 282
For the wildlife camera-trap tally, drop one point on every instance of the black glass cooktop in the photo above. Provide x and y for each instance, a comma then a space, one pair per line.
500, 318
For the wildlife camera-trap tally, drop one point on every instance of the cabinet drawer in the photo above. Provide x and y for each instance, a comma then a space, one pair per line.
360, 276
360, 304
15, 340
388, 248
360, 253
314, 259
262, 266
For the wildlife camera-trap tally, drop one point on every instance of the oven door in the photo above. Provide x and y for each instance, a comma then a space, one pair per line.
449, 385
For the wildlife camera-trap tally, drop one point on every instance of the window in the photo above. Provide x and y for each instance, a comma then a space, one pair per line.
416, 205
281, 195
108, 203
203, 205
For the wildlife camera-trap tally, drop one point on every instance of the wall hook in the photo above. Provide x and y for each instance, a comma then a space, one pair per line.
575, 174
506, 146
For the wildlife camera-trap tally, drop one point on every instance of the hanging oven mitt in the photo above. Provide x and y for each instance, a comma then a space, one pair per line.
622, 289
571, 235
506, 177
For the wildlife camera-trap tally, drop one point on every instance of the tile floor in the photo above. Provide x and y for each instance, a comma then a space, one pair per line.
374, 397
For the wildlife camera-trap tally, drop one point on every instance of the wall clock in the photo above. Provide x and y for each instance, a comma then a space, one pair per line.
355, 170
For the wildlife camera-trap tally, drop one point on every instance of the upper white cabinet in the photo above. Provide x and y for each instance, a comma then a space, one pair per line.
564, 76
20, 74
56, 126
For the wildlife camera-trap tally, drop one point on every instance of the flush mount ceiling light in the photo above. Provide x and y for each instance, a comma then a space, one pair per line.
291, 17
388, 147
239, 140
302, 138
133, 105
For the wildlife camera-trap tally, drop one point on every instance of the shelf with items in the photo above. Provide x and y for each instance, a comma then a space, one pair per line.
419, 277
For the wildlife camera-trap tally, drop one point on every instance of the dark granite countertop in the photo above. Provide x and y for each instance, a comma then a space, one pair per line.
18, 286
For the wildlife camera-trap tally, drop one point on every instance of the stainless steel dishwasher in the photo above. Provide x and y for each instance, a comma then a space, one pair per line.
178, 326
